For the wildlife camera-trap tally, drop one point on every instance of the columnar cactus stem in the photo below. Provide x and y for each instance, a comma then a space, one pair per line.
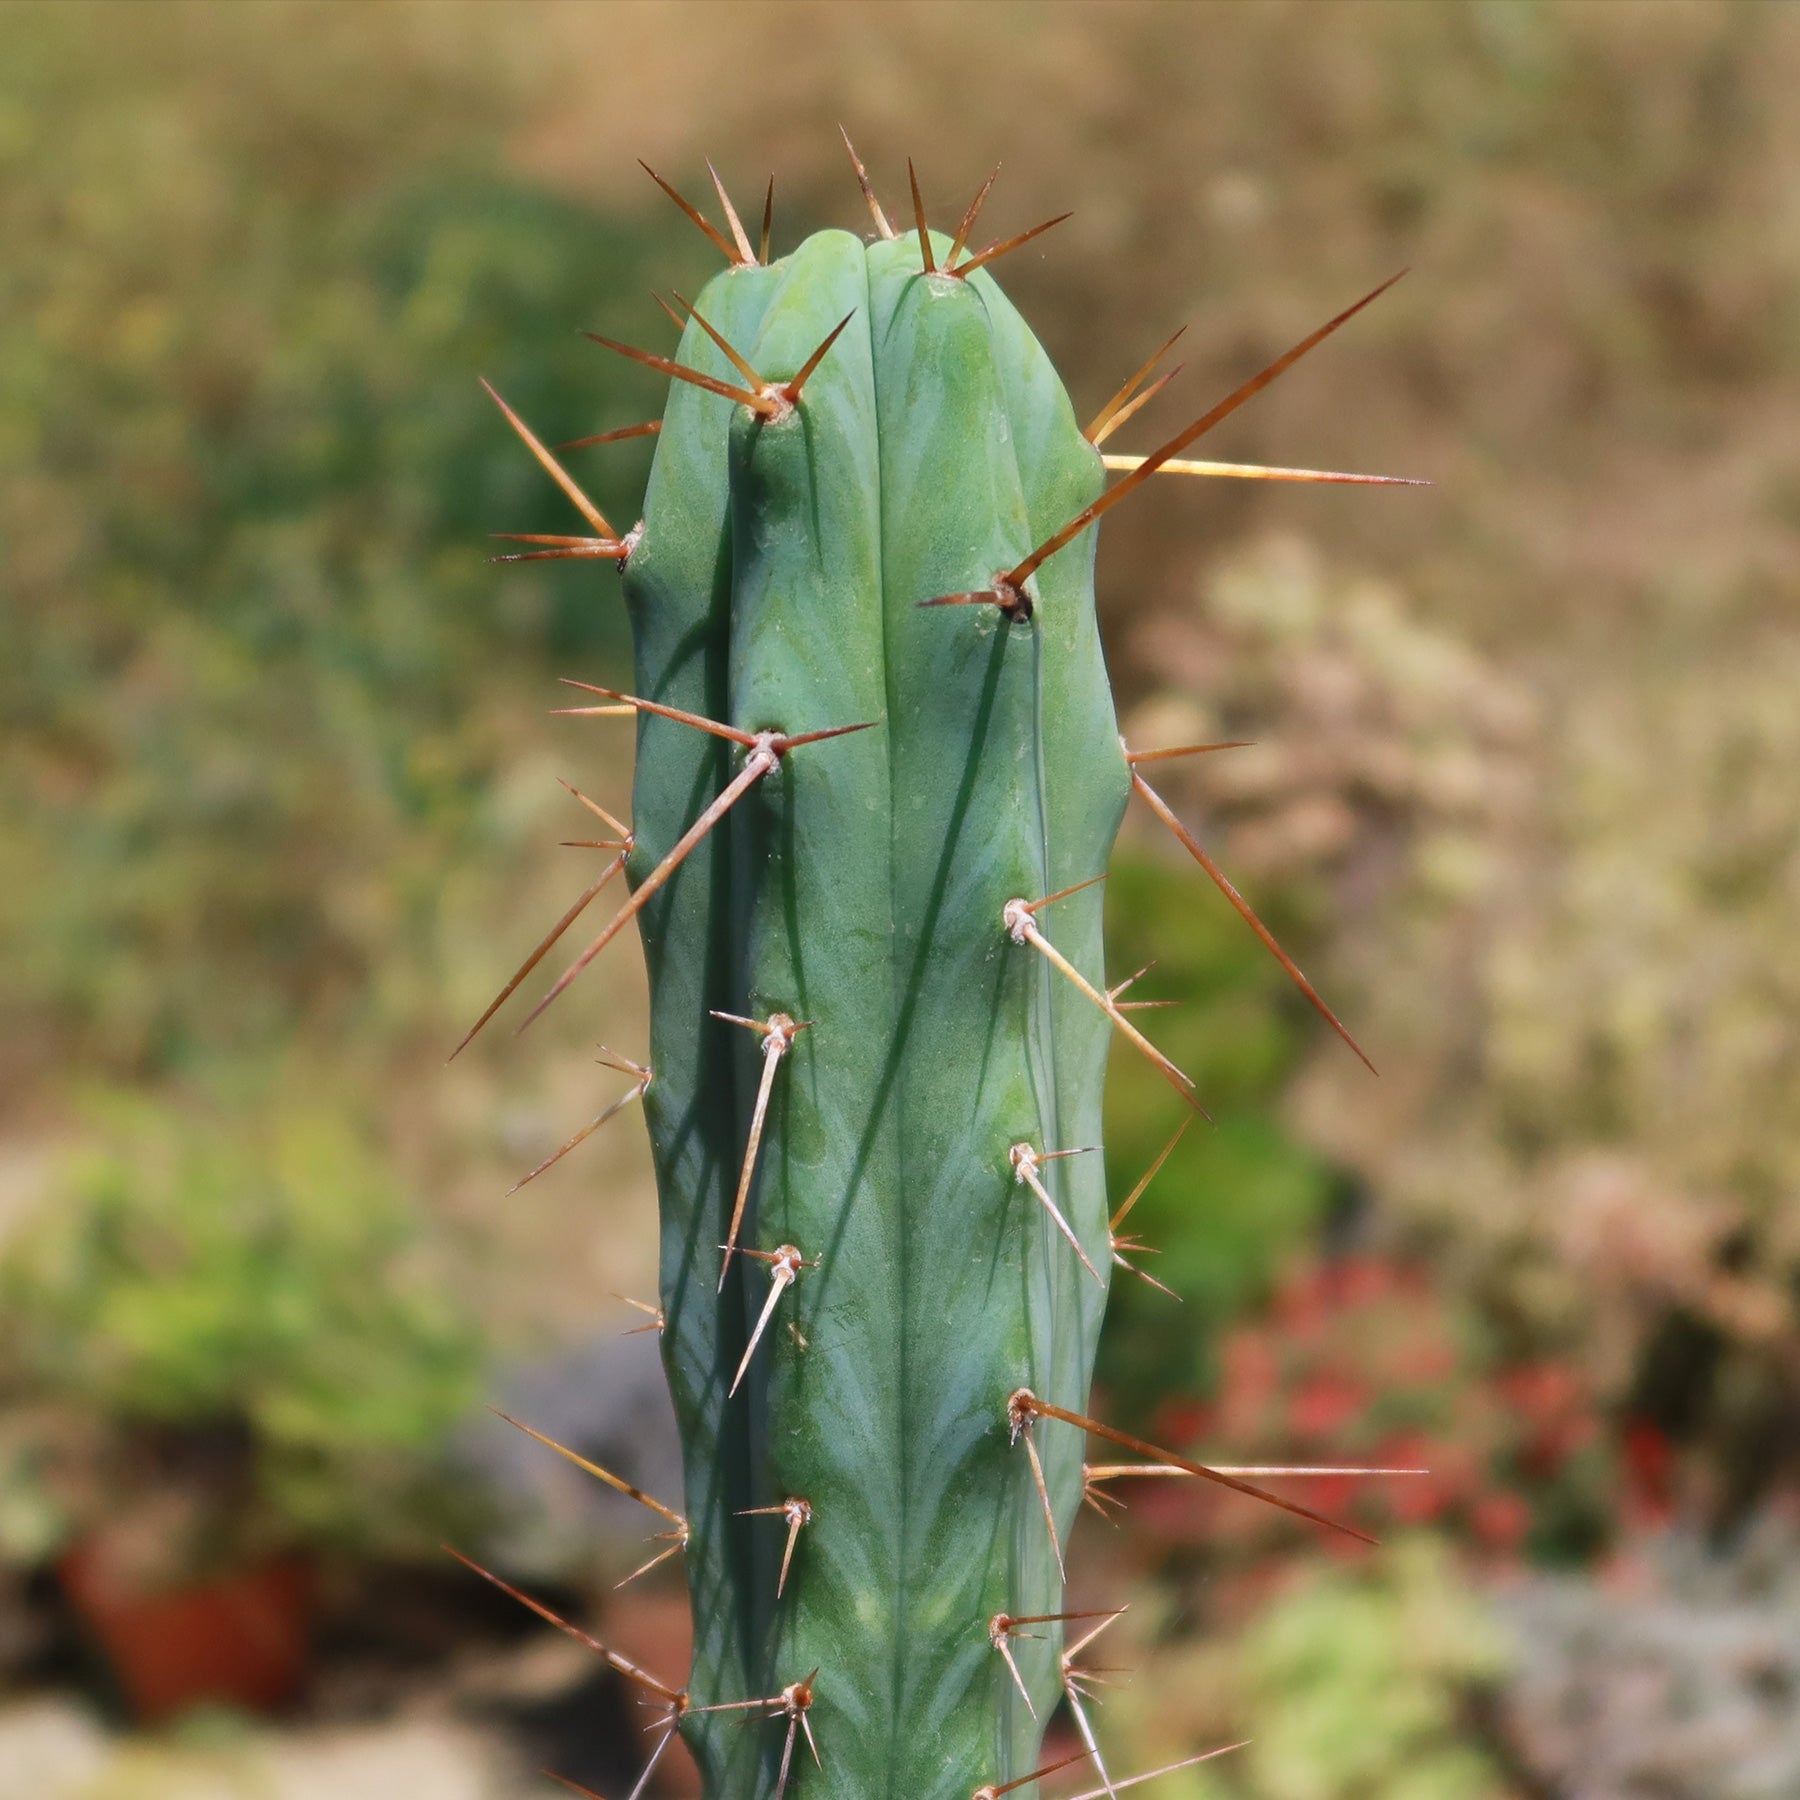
868, 533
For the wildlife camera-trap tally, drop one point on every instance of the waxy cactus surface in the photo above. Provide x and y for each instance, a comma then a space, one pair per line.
878, 773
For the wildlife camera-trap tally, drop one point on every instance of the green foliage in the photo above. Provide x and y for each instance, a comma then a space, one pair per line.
1236, 1200
1355, 1683
1570, 926
250, 314
262, 1278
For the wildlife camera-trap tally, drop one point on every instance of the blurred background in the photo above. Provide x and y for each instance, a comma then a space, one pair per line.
280, 811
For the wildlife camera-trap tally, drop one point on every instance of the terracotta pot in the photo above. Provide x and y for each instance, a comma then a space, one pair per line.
239, 1639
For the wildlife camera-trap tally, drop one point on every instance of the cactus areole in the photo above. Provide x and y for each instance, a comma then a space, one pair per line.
878, 771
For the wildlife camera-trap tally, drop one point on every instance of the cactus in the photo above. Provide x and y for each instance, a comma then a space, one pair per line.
878, 778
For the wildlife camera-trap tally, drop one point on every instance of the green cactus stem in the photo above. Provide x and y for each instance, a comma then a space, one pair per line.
878, 778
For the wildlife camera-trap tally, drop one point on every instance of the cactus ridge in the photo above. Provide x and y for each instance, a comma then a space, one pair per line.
878, 1052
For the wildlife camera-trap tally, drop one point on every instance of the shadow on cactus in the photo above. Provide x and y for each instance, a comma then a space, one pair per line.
878, 777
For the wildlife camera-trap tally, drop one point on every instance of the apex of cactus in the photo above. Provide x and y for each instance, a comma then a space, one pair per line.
878, 780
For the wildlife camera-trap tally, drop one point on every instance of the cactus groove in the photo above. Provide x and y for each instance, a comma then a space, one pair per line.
879, 1023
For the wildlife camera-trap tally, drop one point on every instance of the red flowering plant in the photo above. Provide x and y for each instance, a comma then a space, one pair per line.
1359, 1364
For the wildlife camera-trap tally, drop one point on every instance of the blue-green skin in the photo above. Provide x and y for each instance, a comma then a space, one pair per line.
861, 886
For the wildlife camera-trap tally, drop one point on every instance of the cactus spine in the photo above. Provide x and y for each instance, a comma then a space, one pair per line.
879, 1023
